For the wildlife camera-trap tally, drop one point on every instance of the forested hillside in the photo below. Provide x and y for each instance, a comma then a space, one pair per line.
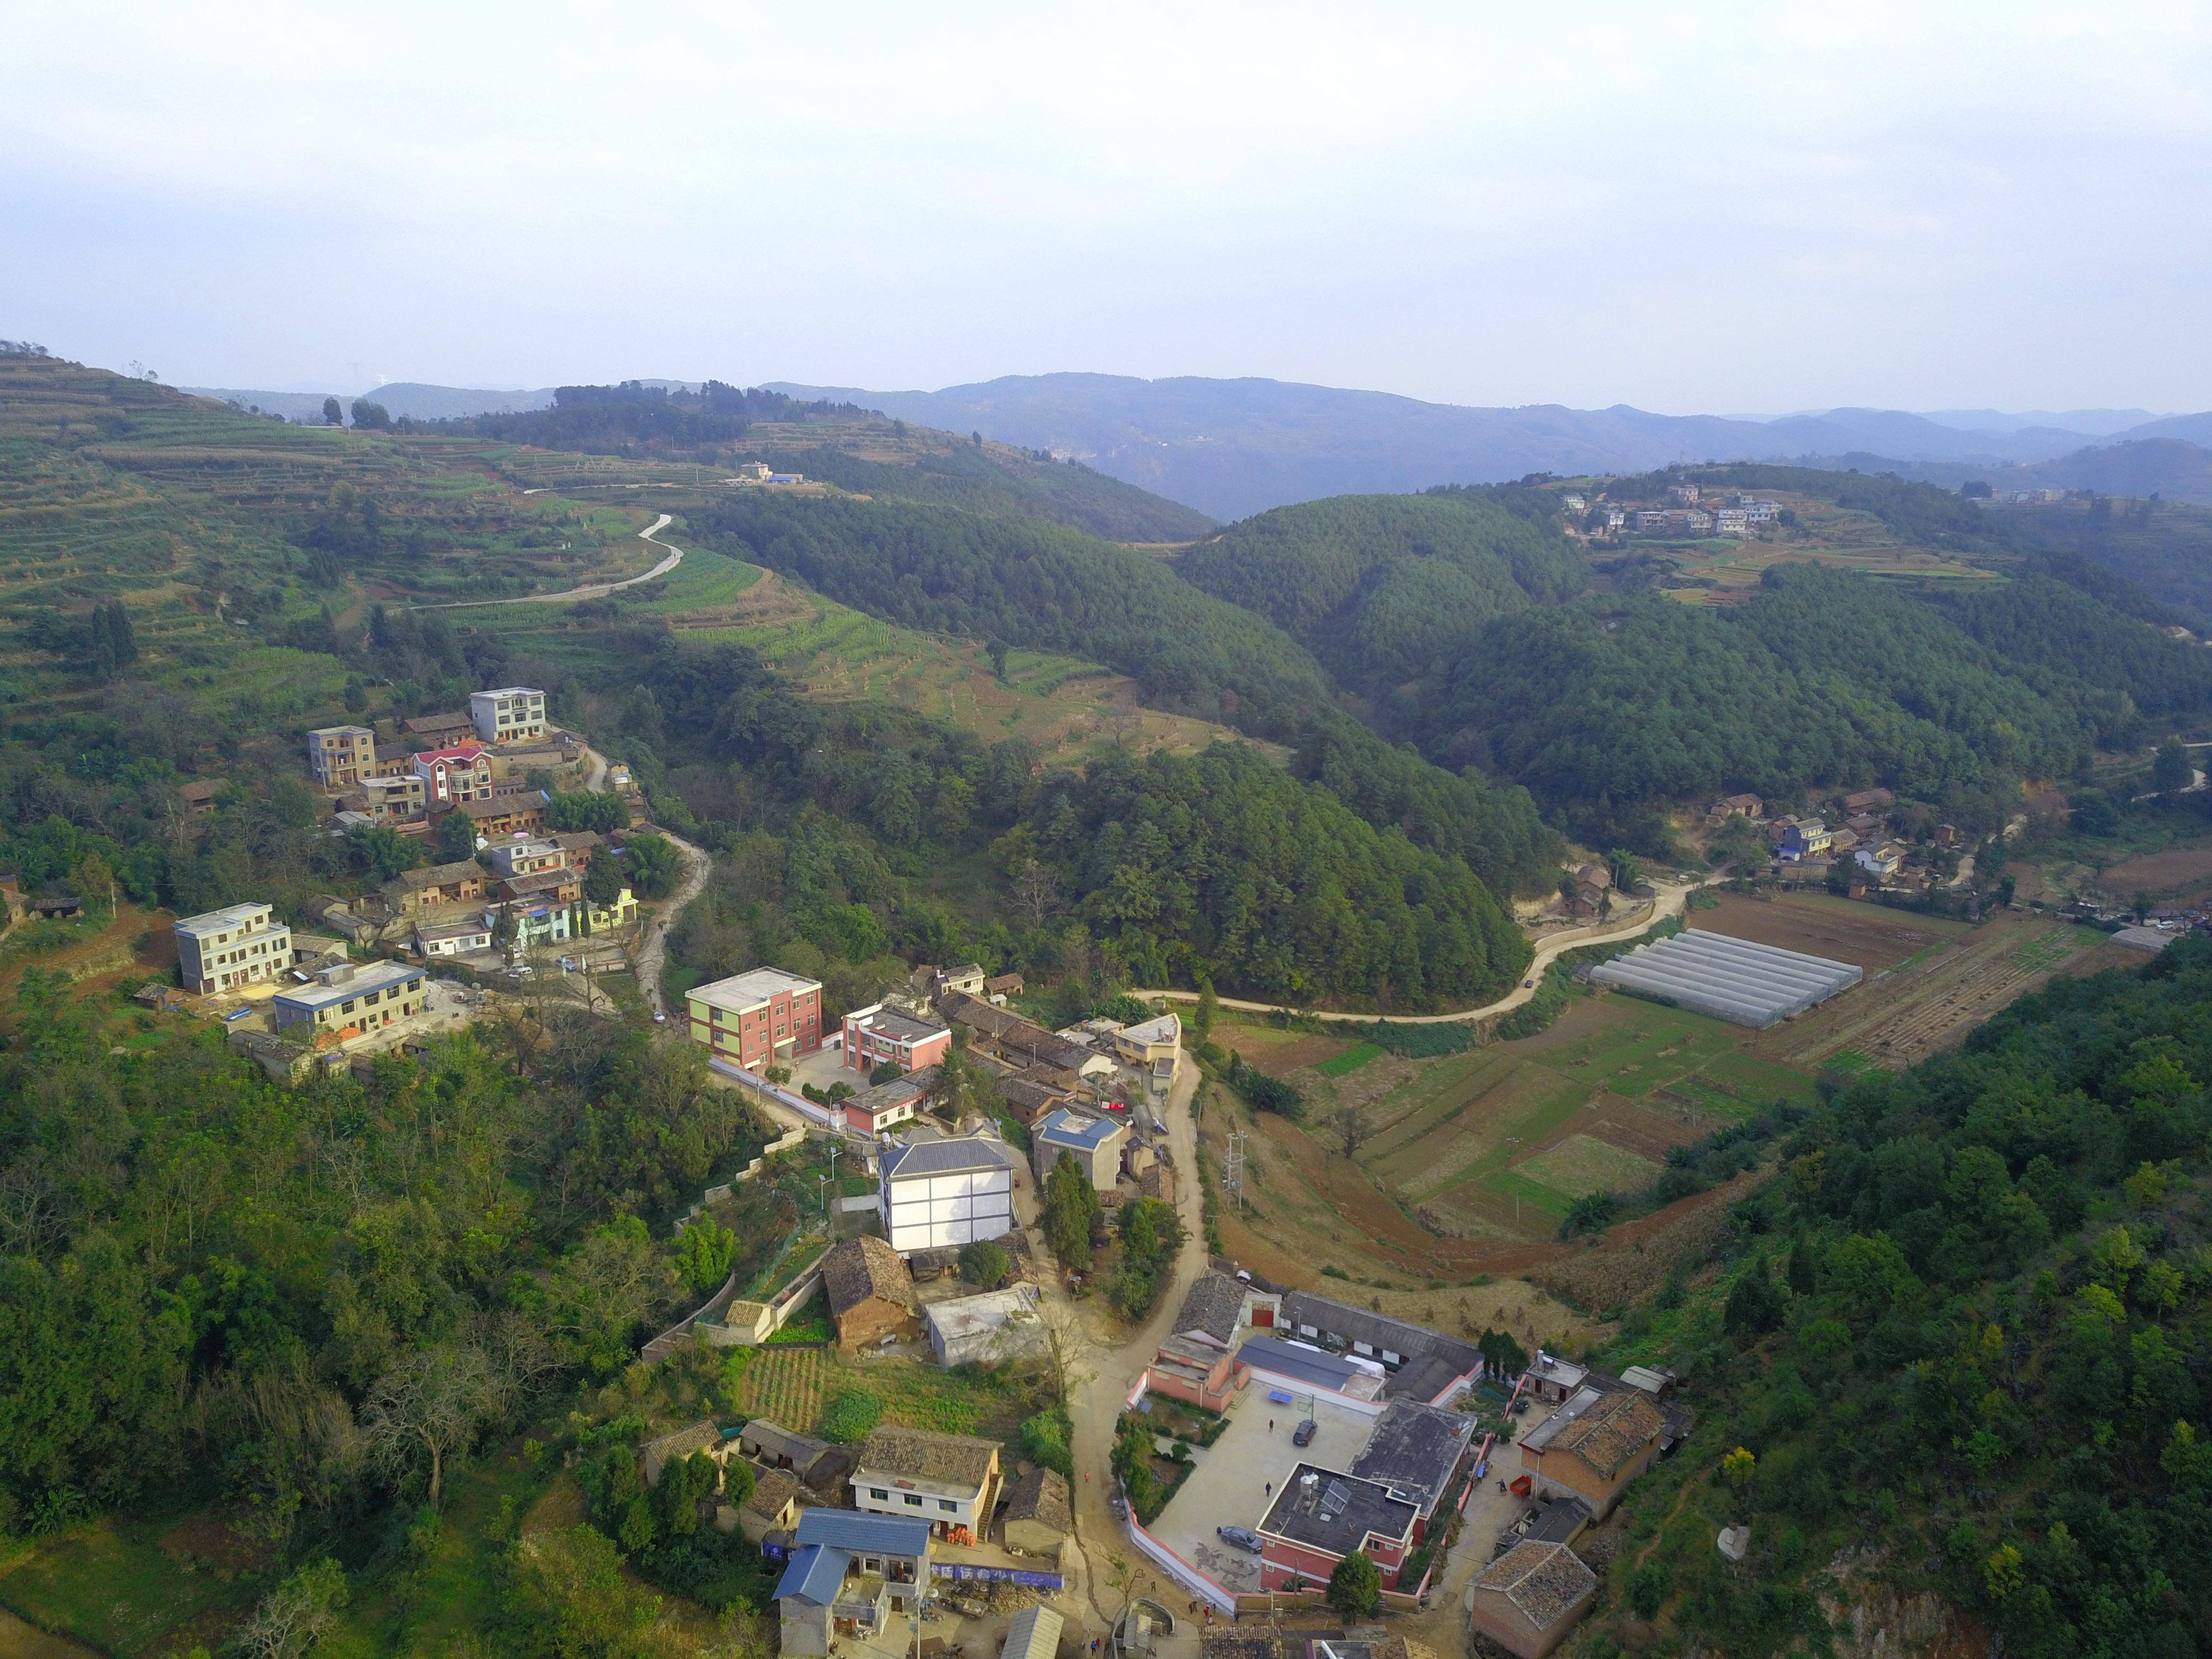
1385, 589
1220, 866
1822, 678
1028, 582
1965, 1348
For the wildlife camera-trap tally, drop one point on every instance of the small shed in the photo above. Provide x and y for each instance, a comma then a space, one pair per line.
700, 1436
989, 1329
771, 1506
871, 1292
776, 1447
1038, 1513
1033, 1633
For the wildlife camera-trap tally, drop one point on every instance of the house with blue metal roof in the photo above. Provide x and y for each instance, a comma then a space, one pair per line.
1094, 1144
850, 1574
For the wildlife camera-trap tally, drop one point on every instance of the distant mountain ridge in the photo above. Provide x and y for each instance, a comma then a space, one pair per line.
1233, 447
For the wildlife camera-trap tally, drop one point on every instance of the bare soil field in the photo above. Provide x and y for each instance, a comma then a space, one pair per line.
2168, 874
1820, 925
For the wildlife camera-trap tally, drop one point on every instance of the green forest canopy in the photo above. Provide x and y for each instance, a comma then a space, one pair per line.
1978, 1301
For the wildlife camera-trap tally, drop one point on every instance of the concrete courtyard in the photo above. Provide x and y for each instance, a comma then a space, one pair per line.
1229, 1486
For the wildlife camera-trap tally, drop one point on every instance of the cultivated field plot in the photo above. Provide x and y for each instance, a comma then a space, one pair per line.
792, 1386
1068, 709
1931, 999
1471, 1160
1821, 925
1716, 571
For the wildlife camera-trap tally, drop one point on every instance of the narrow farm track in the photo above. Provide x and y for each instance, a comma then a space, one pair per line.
650, 535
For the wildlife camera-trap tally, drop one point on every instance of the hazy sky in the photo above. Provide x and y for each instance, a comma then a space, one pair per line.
1696, 207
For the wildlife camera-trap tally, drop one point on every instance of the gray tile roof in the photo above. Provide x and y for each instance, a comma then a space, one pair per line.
1413, 1449
1431, 1359
1546, 1581
1041, 1495
863, 1267
949, 1156
926, 1455
1214, 1305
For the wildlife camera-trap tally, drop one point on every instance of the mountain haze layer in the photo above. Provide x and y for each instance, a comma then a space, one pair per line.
1236, 447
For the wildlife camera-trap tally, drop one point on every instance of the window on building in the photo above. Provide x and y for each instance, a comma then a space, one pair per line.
948, 1506
879, 1494
912, 1501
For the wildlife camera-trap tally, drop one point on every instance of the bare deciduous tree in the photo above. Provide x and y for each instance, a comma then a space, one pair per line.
428, 1408
1036, 890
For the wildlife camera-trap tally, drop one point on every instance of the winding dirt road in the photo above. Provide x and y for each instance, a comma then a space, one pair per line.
650, 535
1670, 902
653, 947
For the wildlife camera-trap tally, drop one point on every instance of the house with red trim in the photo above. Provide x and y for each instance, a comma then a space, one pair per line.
1321, 1516
450, 776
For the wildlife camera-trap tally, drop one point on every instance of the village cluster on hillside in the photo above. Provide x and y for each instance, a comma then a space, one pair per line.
470, 781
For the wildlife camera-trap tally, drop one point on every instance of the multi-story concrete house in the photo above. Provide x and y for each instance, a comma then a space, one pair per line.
941, 1194
1318, 1516
877, 1033
341, 756
765, 1016
412, 892
238, 944
392, 800
450, 776
1093, 1145
513, 714
948, 1480
348, 1002
524, 857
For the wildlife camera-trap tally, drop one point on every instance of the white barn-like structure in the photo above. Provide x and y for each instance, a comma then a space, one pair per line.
1731, 979
941, 1194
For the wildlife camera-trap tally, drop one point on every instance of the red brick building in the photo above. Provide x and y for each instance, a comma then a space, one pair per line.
875, 1034
763, 1017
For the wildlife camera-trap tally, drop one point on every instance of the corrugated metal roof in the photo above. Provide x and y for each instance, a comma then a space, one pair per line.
816, 1570
1307, 1365
857, 1530
1033, 1634
1071, 1129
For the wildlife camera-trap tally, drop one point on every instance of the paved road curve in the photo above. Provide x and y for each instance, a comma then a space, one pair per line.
650, 535
1669, 902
